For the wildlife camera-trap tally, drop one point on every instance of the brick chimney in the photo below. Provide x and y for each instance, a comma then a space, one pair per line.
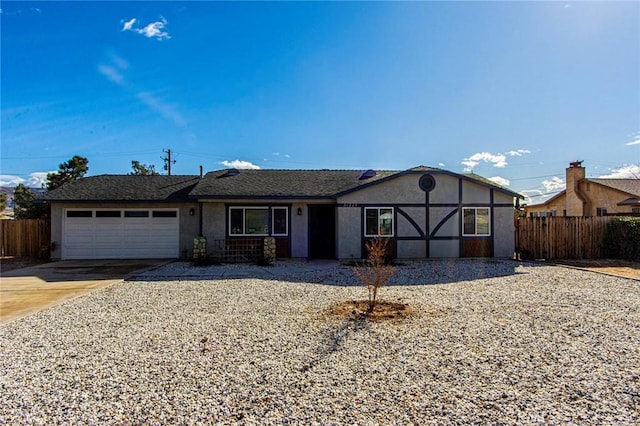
575, 198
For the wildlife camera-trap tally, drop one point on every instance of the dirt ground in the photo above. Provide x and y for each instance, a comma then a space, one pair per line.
621, 268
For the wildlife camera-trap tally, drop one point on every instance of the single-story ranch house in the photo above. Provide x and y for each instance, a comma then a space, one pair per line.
425, 212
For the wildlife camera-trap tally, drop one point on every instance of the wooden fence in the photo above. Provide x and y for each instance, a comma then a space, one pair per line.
25, 237
561, 237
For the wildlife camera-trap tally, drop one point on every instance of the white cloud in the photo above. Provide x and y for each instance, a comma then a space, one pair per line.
152, 30
554, 184
628, 171
636, 141
287, 156
500, 180
441, 164
498, 160
10, 180
111, 73
161, 108
239, 164
532, 196
128, 24
518, 152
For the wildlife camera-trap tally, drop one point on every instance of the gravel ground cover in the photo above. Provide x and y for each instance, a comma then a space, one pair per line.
496, 342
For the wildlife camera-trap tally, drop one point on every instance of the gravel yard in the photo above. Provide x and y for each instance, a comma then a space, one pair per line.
497, 342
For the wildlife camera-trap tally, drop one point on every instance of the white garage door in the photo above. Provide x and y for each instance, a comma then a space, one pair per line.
120, 234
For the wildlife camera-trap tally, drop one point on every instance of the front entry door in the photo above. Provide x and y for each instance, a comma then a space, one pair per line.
322, 231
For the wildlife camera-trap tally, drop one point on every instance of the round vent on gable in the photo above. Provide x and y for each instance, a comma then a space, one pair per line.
427, 183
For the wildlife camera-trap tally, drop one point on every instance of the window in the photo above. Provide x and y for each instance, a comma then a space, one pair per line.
378, 222
107, 213
635, 210
79, 213
255, 221
164, 213
136, 213
279, 225
601, 211
475, 221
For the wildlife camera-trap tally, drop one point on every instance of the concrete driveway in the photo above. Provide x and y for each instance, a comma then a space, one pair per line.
29, 290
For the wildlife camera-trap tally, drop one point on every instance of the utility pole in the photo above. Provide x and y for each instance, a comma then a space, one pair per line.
167, 161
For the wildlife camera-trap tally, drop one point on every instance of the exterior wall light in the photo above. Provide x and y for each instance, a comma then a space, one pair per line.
192, 211
299, 211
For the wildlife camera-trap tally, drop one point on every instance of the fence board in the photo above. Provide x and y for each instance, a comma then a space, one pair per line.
25, 237
561, 237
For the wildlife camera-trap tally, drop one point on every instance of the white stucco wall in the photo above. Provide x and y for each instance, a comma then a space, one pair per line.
444, 248
349, 231
445, 191
503, 232
449, 228
404, 189
406, 228
475, 193
412, 249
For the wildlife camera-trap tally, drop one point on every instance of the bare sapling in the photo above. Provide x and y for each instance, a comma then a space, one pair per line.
377, 272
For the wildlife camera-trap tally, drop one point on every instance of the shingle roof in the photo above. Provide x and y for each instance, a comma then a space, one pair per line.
221, 184
125, 188
282, 183
630, 186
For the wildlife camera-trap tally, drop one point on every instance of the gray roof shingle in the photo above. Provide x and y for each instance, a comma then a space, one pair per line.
281, 183
127, 188
221, 184
630, 186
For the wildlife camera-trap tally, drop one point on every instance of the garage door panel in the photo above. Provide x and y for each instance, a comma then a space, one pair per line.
121, 237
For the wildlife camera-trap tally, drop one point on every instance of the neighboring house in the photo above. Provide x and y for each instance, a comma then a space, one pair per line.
425, 212
590, 197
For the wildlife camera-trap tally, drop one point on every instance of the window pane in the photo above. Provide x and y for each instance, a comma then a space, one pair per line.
371, 222
280, 221
469, 216
386, 221
136, 213
482, 221
164, 213
79, 213
256, 221
108, 213
236, 222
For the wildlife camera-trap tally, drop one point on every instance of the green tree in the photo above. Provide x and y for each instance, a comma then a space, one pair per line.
3, 201
68, 172
143, 169
27, 206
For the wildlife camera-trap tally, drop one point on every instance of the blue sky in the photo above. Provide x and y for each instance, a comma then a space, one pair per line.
511, 90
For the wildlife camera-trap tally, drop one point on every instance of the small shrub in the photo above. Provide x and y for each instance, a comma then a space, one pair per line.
622, 239
377, 271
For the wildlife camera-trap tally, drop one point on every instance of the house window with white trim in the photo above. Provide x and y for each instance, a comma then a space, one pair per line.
254, 221
601, 211
378, 222
476, 221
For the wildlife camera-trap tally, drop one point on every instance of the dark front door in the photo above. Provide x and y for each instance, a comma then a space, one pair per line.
322, 231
